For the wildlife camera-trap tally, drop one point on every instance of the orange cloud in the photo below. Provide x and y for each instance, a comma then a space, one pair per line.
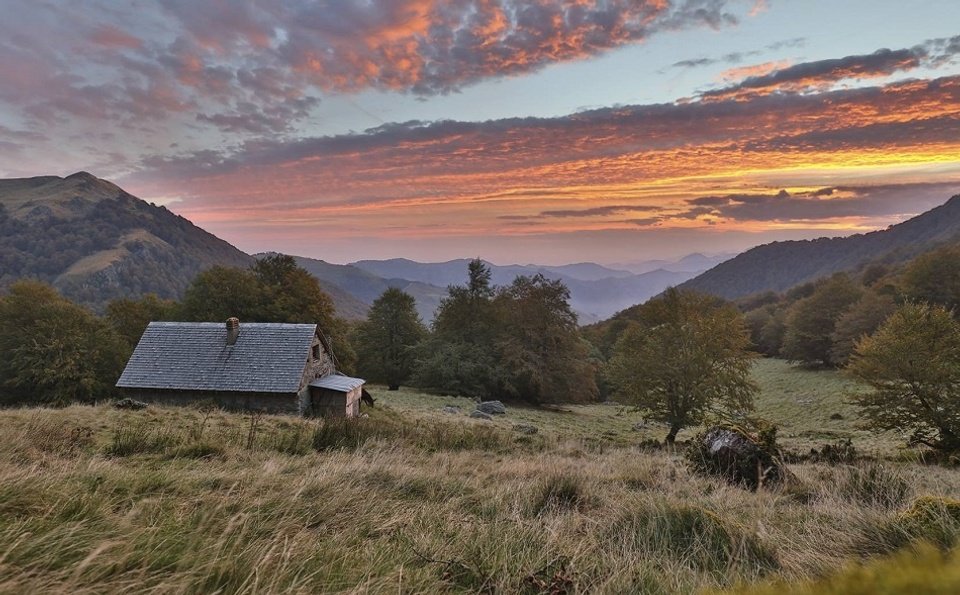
615, 169
741, 72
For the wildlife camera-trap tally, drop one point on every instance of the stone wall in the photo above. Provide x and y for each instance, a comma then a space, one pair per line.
239, 401
331, 403
317, 367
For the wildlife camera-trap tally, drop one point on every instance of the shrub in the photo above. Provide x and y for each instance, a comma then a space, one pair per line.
929, 518
842, 451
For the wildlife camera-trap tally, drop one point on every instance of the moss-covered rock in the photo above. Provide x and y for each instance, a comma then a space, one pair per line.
736, 455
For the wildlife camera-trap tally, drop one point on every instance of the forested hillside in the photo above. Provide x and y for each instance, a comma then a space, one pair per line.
818, 323
778, 266
95, 242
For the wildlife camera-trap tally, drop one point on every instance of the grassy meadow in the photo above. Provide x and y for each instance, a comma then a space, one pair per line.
416, 500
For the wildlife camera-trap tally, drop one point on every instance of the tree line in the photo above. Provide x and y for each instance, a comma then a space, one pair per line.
819, 323
520, 341
682, 357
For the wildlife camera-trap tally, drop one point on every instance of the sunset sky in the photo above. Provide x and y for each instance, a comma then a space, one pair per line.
545, 131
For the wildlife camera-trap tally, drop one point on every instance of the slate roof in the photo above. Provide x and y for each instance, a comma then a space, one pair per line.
338, 382
267, 357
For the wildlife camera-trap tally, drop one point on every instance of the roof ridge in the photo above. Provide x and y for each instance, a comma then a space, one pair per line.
206, 323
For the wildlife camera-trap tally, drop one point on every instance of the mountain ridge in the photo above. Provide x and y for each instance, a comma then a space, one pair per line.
593, 299
96, 242
778, 266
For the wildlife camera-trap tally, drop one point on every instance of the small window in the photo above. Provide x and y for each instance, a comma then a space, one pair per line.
316, 351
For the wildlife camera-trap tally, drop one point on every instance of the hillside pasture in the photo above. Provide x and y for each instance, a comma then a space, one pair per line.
811, 408
415, 500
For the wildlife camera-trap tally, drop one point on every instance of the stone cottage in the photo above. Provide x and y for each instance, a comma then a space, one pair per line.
270, 367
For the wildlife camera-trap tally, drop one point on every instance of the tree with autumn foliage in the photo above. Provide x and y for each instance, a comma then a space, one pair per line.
912, 366
685, 356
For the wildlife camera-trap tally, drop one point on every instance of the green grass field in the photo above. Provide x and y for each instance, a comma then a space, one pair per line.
414, 500
803, 403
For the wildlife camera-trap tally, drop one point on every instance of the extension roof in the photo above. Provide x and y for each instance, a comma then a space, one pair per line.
338, 383
194, 356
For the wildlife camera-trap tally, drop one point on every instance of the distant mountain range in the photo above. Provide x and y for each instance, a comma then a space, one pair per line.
596, 292
778, 266
363, 287
95, 242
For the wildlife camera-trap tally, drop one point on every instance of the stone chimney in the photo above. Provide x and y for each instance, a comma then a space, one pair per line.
233, 330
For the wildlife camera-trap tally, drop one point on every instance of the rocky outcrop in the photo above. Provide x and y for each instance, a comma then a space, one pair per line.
492, 407
129, 403
735, 455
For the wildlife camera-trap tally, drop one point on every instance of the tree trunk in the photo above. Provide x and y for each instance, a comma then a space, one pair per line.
672, 436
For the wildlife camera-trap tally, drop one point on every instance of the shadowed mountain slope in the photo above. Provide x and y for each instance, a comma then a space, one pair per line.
95, 242
778, 266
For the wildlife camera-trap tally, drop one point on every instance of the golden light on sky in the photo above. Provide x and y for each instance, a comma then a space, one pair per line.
520, 131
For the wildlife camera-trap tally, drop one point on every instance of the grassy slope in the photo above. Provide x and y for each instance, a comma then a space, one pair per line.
93, 499
800, 401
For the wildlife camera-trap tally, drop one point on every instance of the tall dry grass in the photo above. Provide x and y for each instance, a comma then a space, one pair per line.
96, 500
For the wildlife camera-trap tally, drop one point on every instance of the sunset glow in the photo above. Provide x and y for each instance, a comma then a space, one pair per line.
344, 130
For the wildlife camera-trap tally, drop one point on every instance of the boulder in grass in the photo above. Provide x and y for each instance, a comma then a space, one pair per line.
451, 409
481, 415
735, 455
128, 403
492, 407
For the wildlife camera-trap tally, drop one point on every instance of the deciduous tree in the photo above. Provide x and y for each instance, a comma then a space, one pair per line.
812, 320
274, 289
54, 351
687, 356
130, 317
387, 339
542, 354
861, 319
912, 365
934, 277
460, 356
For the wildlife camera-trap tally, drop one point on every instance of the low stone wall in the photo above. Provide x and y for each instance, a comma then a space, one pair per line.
253, 401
